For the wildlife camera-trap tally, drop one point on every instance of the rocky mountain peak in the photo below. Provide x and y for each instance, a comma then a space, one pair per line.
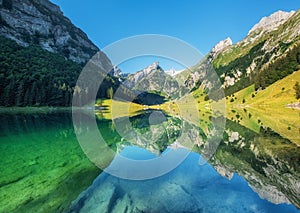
151, 68
152, 78
138, 76
220, 47
40, 22
272, 22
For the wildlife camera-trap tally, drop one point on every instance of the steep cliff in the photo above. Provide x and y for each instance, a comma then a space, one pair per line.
42, 23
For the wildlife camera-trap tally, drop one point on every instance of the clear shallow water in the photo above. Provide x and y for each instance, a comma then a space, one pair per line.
43, 169
189, 188
42, 165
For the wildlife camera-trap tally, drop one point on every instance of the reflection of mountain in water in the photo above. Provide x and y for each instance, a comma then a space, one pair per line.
152, 130
199, 188
268, 162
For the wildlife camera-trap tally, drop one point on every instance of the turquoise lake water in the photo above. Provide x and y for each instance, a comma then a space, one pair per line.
43, 169
189, 188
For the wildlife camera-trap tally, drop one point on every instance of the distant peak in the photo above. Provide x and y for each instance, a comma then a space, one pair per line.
272, 22
152, 67
155, 65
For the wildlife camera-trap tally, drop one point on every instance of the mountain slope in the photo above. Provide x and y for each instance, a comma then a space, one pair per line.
32, 76
42, 54
153, 79
270, 52
268, 42
276, 28
271, 107
40, 22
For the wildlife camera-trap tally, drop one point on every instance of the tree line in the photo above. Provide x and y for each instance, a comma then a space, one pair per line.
31, 76
282, 67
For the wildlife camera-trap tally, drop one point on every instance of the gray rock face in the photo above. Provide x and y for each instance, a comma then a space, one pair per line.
220, 47
152, 78
137, 77
42, 23
271, 22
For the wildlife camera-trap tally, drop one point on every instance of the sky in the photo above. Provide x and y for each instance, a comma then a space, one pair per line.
200, 23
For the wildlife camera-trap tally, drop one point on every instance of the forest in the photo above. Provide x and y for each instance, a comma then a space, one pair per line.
31, 76
279, 69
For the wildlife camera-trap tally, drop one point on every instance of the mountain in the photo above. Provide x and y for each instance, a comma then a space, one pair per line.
262, 159
153, 79
271, 23
42, 23
118, 73
280, 27
220, 47
42, 54
269, 52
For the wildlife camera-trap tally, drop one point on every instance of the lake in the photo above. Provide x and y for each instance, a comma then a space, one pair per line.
45, 169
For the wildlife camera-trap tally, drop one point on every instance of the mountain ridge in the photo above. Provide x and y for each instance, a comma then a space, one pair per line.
269, 23
241, 64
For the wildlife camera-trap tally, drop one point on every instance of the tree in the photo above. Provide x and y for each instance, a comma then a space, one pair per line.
110, 93
297, 90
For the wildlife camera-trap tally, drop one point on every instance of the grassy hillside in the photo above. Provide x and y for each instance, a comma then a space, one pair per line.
283, 34
262, 58
268, 108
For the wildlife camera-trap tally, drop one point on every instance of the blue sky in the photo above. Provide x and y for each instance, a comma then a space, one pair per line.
200, 23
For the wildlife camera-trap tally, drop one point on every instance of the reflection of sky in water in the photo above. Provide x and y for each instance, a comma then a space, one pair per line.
136, 153
188, 188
